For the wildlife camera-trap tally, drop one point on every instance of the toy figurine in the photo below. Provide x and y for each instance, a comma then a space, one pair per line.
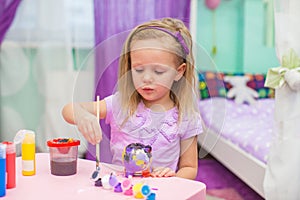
136, 159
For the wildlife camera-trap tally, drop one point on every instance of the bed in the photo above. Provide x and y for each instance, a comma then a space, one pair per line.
237, 135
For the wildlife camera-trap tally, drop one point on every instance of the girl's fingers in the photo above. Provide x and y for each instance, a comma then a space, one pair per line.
163, 172
97, 135
170, 173
87, 131
156, 171
89, 126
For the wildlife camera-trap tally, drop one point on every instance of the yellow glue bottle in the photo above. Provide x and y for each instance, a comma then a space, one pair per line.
28, 153
27, 140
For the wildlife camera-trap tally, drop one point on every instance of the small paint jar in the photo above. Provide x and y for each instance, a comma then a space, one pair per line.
63, 156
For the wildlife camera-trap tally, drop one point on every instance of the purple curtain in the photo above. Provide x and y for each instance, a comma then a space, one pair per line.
113, 21
8, 10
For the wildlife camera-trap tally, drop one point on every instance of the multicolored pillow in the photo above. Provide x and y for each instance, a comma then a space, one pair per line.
211, 84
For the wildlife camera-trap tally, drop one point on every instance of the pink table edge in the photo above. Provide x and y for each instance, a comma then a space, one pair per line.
79, 186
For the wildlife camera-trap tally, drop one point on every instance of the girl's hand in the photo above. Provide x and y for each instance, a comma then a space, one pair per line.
84, 116
163, 172
89, 126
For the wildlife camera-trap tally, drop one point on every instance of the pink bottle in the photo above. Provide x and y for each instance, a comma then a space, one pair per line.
10, 164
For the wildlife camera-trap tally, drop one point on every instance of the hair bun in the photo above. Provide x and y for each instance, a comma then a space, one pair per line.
174, 23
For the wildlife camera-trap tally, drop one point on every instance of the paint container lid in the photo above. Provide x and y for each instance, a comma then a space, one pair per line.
63, 142
10, 147
24, 136
146, 190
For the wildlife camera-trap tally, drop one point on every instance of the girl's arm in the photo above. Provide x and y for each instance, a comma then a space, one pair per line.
188, 161
84, 116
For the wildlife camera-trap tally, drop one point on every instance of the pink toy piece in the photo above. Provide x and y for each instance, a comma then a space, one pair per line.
128, 192
126, 184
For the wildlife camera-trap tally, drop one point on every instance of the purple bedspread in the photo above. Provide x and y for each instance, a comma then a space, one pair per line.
249, 127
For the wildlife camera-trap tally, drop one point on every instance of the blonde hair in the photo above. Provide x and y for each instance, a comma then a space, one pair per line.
183, 92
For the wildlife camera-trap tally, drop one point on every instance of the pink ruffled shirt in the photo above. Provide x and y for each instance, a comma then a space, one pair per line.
157, 129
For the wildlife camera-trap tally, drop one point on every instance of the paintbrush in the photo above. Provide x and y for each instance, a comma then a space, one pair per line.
96, 172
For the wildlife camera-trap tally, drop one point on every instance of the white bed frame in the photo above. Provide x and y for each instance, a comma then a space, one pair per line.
248, 168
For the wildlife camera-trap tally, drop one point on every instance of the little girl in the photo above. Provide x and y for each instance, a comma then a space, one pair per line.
156, 102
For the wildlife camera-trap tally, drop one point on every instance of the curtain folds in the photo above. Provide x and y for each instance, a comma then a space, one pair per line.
8, 10
113, 21
45, 64
282, 178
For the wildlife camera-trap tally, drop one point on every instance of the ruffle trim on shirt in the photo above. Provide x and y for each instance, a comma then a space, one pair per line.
148, 134
169, 127
140, 127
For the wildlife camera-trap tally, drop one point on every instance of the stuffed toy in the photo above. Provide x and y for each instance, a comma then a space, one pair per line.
240, 91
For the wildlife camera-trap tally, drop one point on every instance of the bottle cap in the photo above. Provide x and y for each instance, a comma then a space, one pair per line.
10, 147
2, 151
105, 182
113, 181
152, 196
29, 138
22, 135
126, 184
118, 188
146, 190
